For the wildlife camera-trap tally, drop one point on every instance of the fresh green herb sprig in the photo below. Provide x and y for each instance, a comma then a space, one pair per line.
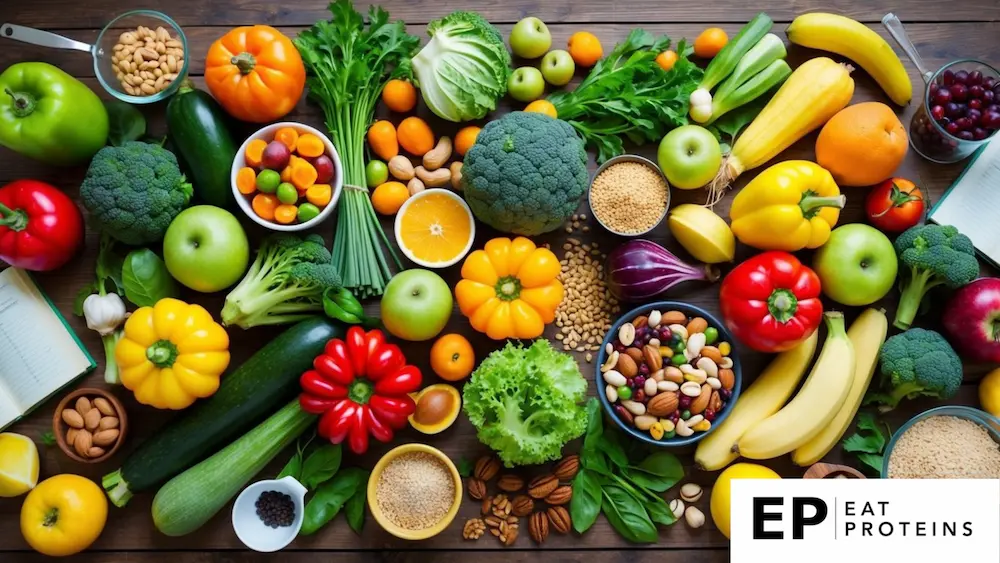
628, 96
626, 492
868, 442
333, 489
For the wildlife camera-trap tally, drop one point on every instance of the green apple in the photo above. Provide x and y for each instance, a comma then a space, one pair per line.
558, 67
416, 305
857, 266
526, 84
530, 38
689, 156
206, 249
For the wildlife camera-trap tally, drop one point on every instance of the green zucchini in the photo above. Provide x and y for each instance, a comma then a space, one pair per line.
269, 378
190, 499
196, 126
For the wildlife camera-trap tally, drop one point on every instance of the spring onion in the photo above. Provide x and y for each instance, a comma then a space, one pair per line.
769, 49
759, 84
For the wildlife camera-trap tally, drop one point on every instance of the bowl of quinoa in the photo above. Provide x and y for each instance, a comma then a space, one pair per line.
629, 195
414, 491
950, 442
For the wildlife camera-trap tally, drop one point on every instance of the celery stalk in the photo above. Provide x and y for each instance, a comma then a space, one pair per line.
769, 49
763, 82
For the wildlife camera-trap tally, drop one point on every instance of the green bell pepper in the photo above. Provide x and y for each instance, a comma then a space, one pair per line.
50, 116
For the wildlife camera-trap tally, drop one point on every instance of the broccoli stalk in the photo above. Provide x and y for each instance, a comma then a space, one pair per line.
916, 363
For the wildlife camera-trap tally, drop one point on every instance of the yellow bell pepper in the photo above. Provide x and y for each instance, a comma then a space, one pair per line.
509, 288
171, 354
790, 206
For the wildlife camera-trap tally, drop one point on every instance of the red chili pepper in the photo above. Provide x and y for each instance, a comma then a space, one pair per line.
771, 302
40, 226
361, 387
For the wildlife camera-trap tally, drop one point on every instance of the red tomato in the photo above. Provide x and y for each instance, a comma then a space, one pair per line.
895, 205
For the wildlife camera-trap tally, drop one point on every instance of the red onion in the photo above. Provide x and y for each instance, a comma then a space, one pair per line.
641, 269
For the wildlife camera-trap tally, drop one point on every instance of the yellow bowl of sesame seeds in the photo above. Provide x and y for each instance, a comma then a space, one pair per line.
414, 491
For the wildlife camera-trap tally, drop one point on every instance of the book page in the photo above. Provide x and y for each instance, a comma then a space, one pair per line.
973, 203
9, 412
38, 355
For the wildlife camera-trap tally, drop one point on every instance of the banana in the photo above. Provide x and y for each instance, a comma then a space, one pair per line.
867, 335
856, 41
764, 397
816, 403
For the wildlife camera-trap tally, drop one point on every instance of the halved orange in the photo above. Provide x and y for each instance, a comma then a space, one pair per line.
434, 228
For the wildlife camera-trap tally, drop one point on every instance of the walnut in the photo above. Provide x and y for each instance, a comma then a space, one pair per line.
474, 529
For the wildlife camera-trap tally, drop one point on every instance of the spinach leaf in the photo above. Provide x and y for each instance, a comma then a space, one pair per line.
294, 466
145, 278
627, 515
48, 438
81, 296
354, 511
321, 466
595, 426
330, 498
465, 467
609, 444
586, 502
125, 123
658, 472
659, 512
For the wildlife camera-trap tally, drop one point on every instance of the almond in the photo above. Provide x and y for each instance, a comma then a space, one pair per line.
712, 353
72, 418
651, 355
700, 403
83, 442
92, 419
727, 378
673, 373
697, 324
82, 405
542, 486
95, 451
673, 318
105, 438
561, 495
662, 404
107, 423
71, 436
626, 364
510, 483
715, 402
104, 405
634, 353
567, 468
640, 321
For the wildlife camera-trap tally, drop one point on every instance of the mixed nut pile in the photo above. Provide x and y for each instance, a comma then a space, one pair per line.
147, 61
542, 500
93, 426
666, 375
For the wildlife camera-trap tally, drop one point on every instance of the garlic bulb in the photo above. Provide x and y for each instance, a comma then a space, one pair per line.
104, 313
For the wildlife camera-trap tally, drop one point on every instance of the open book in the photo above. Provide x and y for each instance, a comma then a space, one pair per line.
39, 354
973, 203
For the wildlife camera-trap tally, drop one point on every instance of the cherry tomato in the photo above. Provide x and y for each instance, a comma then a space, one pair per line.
895, 205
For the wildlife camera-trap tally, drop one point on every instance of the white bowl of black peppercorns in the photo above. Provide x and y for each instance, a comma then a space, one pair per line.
268, 514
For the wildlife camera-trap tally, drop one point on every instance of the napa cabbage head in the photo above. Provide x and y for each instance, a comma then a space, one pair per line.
463, 69
527, 402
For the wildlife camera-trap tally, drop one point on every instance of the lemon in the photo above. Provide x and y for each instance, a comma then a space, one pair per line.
18, 464
989, 392
701, 232
722, 490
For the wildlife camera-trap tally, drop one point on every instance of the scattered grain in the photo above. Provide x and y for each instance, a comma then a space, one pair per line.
415, 491
945, 447
629, 197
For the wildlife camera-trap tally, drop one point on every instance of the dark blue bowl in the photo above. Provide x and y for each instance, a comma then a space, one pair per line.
691, 311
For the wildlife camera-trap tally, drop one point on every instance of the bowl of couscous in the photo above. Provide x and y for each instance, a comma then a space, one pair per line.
949, 442
414, 491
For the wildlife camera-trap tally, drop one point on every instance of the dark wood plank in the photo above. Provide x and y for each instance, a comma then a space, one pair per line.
513, 555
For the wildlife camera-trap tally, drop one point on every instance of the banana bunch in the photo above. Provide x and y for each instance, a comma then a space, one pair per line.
856, 41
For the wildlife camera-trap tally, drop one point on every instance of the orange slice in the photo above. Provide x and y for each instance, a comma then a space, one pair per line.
434, 228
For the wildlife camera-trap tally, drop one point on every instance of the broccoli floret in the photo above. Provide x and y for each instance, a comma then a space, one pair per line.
285, 283
525, 173
916, 363
134, 191
929, 256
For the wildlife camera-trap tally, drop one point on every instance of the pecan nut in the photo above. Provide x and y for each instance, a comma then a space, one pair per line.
538, 527
567, 468
486, 506
510, 483
542, 486
522, 505
477, 489
486, 468
561, 495
559, 519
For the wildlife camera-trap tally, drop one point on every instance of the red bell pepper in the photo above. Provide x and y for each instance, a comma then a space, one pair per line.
360, 386
40, 226
771, 302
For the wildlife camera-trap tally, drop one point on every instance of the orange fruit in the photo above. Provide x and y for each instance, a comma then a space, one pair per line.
542, 106
862, 144
389, 197
666, 60
585, 48
452, 357
434, 228
710, 42
465, 138
399, 95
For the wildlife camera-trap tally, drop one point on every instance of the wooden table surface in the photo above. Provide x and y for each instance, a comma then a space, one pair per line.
942, 31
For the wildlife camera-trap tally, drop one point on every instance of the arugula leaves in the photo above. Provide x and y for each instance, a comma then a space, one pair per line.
868, 442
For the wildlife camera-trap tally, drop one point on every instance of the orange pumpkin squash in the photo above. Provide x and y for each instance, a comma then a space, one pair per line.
256, 73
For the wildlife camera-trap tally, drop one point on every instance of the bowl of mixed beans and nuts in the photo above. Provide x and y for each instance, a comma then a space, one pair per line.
667, 373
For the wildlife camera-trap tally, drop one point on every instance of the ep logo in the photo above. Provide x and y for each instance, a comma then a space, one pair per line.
803, 511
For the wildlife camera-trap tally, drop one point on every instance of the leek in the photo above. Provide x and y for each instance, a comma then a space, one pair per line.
769, 49
760, 84
722, 64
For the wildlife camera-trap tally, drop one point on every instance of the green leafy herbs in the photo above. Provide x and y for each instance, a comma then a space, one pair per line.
354, 510
331, 497
321, 466
319, 471
628, 96
626, 491
868, 442
48, 439
294, 466
347, 65
125, 123
465, 467
145, 278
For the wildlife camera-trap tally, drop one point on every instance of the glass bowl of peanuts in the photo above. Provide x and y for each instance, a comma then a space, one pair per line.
140, 57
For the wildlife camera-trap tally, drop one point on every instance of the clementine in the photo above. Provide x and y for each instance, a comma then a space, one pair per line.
862, 144
585, 48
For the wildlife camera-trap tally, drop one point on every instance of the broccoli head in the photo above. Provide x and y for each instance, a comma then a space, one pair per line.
929, 256
917, 363
525, 173
285, 283
134, 191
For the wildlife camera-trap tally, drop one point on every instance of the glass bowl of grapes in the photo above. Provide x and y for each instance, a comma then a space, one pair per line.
960, 111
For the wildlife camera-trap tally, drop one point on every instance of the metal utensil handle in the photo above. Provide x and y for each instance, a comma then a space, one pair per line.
895, 29
39, 37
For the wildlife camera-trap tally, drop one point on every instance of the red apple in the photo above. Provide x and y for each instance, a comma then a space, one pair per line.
324, 169
972, 320
276, 156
